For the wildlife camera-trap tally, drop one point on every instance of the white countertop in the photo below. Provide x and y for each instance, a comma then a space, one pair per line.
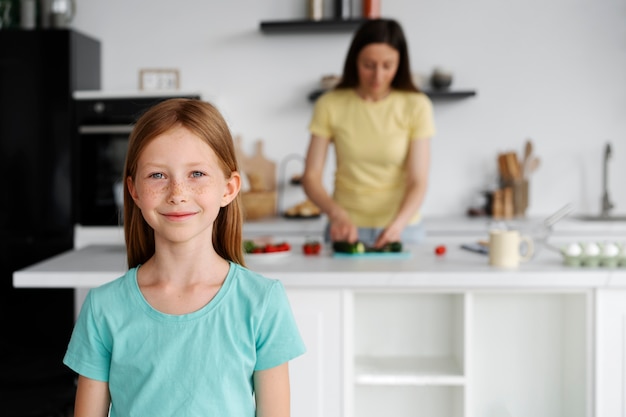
100, 257
96, 265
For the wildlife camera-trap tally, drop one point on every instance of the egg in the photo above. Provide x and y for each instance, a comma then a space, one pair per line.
610, 250
573, 249
592, 249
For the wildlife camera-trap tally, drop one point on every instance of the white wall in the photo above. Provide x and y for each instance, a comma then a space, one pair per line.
551, 70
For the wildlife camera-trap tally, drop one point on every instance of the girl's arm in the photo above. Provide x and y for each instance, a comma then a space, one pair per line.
341, 227
92, 398
271, 387
418, 166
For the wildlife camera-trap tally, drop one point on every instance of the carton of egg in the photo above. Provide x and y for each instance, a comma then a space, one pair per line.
621, 258
592, 254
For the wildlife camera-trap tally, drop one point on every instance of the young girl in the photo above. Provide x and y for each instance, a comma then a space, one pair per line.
188, 330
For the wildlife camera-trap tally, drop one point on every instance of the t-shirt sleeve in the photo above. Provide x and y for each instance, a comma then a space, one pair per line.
88, 353
423, 123
320, 122
278, 339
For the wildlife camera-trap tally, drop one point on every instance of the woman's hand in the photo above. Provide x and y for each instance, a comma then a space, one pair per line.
342, 229
391, 234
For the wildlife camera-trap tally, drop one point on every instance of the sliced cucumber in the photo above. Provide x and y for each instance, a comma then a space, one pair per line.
347, 247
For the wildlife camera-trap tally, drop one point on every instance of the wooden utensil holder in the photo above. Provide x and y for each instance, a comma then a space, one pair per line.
519, 196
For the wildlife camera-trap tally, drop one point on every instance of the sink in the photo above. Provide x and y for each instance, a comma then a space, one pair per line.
599, 218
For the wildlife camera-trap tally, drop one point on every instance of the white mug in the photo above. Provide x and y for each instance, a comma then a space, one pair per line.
505, 248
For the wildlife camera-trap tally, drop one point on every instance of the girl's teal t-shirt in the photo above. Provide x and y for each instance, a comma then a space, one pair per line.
184, 365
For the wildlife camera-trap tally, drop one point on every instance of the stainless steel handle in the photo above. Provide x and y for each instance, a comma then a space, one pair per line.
104, 129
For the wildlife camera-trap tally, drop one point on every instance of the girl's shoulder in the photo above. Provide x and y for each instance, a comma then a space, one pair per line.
250, 277
115, 290
253, 285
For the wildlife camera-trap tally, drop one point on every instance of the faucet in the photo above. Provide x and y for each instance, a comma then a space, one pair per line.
607, 205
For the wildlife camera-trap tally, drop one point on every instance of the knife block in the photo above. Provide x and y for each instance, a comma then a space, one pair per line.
519, 196
510, 200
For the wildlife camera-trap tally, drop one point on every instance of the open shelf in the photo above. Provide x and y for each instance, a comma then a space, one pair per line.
310, 26
410, 401
408, 371
434, 94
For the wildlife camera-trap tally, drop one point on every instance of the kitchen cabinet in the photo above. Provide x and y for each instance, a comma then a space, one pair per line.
454, 354
310, 26
316, 376
407, 353
39, 71
439, 336
610, 387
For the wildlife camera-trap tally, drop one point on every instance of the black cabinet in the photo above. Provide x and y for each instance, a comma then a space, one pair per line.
39, 71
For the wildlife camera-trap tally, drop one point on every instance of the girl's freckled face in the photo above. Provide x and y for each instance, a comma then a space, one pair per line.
179, 181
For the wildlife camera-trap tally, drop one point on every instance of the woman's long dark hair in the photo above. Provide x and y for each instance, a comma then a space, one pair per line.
386, 31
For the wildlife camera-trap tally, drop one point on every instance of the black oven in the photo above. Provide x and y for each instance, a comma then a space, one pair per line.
104, 124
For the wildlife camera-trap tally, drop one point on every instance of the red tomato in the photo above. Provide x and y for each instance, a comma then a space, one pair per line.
440, 250
311, 248
257, 249
282, 247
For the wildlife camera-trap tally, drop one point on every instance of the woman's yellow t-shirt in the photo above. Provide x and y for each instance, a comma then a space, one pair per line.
371, 142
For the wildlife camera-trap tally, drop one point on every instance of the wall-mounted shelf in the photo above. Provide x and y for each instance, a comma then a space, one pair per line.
434, 94
310, 26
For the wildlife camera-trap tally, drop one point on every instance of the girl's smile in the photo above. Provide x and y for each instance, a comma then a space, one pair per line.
178, 216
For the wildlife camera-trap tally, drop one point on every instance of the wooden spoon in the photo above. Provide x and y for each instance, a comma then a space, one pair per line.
531, 166
528, 153
528, 149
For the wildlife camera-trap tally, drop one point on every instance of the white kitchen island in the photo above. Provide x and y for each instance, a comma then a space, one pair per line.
442, 336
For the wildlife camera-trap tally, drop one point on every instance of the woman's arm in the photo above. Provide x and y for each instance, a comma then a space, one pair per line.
92, 398
271, 391
341, 227
418, 167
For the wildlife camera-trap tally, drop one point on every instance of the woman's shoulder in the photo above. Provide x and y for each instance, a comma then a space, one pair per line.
337, 95
415, 97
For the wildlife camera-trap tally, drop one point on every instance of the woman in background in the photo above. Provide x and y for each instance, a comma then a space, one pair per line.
380, 125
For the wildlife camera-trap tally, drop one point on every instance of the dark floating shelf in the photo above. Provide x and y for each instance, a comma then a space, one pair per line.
434, 94
306, 25
449, 93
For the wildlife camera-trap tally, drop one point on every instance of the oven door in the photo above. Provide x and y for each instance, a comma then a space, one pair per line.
102, 150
